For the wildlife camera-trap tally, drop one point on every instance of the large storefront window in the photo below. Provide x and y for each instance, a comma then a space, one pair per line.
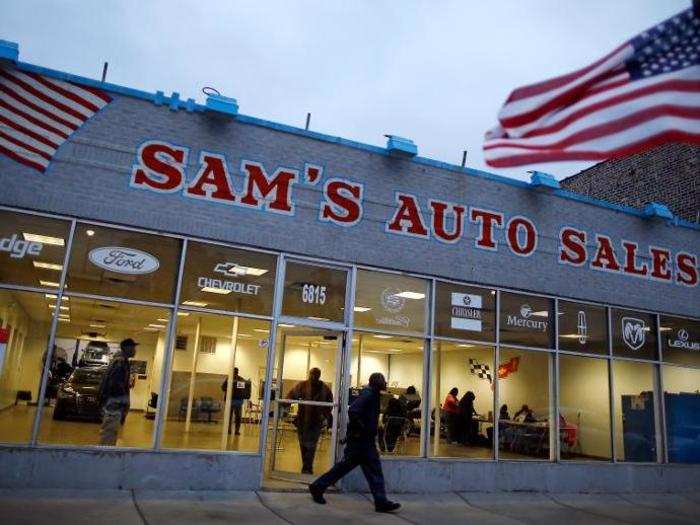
527, 320
635, 427
583, 328
633, 334
465, 312
400, 359
525, 411
88, 340
390, 302
682, 400
216, 385
314, 292
462, 416
680, 341
32, 249
25, 323
125, 264
222, 278
584, 408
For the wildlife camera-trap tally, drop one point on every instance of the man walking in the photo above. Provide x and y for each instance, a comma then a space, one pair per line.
310, 418
361, 448
241, 392
114, 392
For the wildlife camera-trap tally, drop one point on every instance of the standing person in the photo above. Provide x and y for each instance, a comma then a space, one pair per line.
361, 448
114, 392
241, 392
467, 413
310, 418
451, 409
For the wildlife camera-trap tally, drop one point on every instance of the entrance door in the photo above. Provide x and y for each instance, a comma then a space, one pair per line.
303, 427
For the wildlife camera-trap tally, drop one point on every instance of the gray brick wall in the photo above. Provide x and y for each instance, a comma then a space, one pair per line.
669, 174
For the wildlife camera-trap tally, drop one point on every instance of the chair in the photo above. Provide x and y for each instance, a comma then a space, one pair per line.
399, 427
253, 412
208, 406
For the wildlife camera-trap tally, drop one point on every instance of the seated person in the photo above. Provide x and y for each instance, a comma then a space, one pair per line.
502, 415
393, 421
524, 415
411, 401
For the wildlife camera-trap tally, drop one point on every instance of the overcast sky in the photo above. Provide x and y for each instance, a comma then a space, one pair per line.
434, 71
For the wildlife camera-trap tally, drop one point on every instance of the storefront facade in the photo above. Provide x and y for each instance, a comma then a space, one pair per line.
220, 241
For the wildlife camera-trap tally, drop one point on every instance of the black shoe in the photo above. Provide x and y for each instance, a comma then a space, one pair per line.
307, 470
387, 506
237, 433
317, 494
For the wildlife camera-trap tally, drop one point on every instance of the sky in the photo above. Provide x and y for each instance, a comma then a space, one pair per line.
436, 71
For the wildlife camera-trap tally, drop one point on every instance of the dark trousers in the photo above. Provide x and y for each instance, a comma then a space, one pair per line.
365, 456
236, 406
453, 429
308, 440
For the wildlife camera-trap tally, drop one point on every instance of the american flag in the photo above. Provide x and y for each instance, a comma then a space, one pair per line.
39, 113
644, 93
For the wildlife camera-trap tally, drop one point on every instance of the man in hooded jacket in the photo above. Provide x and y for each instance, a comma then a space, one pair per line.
361, 448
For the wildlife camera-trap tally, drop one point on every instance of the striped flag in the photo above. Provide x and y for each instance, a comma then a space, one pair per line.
644, 93
39, 113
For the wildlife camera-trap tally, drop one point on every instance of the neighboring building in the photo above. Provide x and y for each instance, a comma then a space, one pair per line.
218, 240
668, 174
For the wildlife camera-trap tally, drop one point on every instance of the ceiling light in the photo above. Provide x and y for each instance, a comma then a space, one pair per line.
54, 297
665, 329
94, 325
43, 239
151, 329
261, 330
184, 314
464, 345
64, 319
493, 292
410, 295
220, 291
362, 309
570, 336
47, 266
52, 306
285, 325
195, 303
90, 233
50, 284
163, 320
381, 336
154, 325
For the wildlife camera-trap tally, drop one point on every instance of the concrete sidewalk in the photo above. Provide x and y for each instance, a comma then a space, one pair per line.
176, 507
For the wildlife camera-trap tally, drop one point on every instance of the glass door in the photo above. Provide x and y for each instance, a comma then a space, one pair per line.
304, 402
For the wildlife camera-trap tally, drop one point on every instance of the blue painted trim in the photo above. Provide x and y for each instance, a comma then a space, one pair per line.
159, 98
9, 50
539, 179
654, 209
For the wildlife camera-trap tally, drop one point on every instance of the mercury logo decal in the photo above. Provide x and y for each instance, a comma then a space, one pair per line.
524, 320
633, 332
466, 312
682, 341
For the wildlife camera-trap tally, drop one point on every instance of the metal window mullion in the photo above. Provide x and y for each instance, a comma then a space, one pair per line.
427, 351
276, 309
659, 394
341, 421
611, 390
168, 353
52, 338
552, 364
496, 391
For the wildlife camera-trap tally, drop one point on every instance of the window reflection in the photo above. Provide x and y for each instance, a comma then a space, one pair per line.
463, 312
314, 292
527, 320
682, 400
635, 429
582, 328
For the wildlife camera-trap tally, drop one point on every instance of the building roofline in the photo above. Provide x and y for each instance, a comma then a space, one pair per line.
175, 103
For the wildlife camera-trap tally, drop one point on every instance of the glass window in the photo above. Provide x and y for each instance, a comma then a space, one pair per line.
386, 301
582, 328
89, 335
32, 249
680, 341
634, 334
110, 262
463, 312
400, 359
527, 320
635, 430
682, 399
25, 323
462, 417
314, 292
584, 408
525, 408
224, 278
205, 365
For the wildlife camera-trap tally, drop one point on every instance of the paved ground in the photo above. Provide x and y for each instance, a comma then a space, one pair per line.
172, 508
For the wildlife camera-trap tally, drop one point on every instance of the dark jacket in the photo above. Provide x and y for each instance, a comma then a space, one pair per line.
363, 417
309, 415
241, 388
115, 382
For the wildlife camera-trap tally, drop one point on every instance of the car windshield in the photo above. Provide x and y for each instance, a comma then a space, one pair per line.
87, 376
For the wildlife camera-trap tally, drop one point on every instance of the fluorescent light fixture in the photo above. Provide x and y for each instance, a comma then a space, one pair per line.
149, 329
362, 309
52, 306
220, 291
569, 336
319, 318
244, 335
98, 325
665, 329
541, 313
163, 320
261, 330
381, 336
50, 284
47, 266
195, 303
54, 297
64, 319
410, 295
183, 314
464, 345
285, 325
154, 325
493, 292
90, 233
43, 239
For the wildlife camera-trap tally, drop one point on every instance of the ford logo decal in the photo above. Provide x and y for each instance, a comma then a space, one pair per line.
123, 260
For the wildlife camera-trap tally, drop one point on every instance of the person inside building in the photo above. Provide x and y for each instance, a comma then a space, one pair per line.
394, 422
241, 392
361, 448
310, 419
114, 392
412, 400
524, 415
470, 427
451, 409
502, 416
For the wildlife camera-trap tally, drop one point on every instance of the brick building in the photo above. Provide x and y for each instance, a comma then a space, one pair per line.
668, 174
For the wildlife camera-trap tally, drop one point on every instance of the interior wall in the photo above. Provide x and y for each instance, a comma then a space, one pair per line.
678, 379
405, 370
630, 379
529, 385
369, 364
455, 372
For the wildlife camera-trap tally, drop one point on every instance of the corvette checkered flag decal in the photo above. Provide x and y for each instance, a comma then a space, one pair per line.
38, 114
480, 370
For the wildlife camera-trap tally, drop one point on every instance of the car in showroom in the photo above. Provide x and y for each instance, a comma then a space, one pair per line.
78, 396
96, 353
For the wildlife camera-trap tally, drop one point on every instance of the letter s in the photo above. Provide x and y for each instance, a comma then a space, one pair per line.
160, 167
343, 205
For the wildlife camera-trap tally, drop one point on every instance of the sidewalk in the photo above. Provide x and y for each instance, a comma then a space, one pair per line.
72, 507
